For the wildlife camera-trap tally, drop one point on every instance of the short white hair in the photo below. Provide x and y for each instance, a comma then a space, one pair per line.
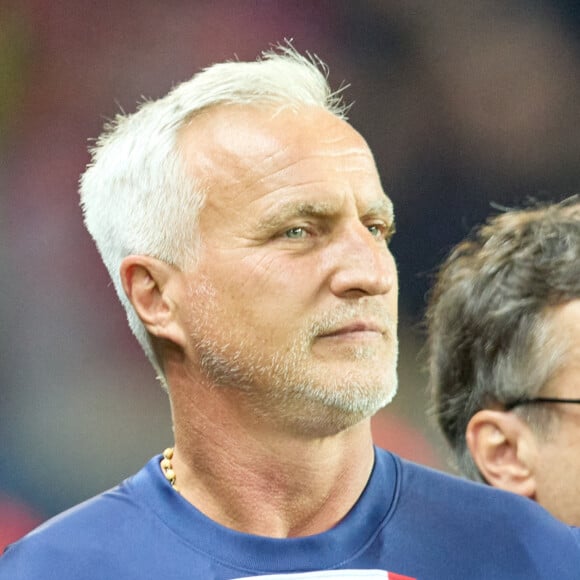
136, 195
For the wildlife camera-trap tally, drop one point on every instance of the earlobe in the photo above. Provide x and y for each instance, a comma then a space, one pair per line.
504, 450
149, 286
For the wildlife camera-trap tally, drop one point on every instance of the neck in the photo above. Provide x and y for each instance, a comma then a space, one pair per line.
251, 476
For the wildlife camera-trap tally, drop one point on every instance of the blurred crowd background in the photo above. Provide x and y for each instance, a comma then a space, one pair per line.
468, 105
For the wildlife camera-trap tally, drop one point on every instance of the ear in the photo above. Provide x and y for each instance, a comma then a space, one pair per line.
152, 287
504, 450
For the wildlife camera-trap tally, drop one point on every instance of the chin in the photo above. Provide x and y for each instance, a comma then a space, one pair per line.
336, 406
326, 423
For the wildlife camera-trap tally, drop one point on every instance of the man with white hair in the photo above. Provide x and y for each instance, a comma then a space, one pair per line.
245, 228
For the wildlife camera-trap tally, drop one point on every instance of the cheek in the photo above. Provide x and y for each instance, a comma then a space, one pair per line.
265, 295
558, 456
279, 278
250, 286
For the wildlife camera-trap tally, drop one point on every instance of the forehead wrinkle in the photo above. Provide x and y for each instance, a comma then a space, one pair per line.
282, 150
324, 155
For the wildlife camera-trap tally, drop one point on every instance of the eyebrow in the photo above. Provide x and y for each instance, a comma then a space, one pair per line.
384, 207
290, 210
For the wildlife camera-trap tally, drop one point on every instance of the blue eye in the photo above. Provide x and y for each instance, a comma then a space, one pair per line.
376, 230
295, 233
381, 231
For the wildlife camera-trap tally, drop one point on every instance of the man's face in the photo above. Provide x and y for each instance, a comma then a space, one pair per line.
558, 464
293, 300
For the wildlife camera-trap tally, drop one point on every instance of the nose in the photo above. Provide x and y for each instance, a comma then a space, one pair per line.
362, 264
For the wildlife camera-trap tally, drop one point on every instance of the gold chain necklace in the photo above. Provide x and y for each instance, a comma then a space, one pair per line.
167, 467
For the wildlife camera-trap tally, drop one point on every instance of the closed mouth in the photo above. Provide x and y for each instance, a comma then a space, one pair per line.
354, 328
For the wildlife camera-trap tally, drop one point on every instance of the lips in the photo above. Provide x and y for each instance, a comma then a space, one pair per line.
354, 328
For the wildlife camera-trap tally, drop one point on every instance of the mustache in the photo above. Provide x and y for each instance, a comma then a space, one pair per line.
341, 316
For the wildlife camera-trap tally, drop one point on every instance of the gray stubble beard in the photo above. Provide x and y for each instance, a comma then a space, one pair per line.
285, 387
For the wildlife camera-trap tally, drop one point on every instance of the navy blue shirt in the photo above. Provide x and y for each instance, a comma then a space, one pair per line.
410, 522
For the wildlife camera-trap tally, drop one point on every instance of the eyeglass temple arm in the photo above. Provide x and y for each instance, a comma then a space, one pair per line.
519, 402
